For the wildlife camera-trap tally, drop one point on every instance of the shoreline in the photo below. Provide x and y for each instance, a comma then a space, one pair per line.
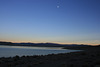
86, 58
34, 51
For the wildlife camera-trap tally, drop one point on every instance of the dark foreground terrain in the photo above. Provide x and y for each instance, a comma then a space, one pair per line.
86, 58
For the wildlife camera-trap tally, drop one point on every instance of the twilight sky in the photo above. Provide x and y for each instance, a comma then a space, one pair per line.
57, 21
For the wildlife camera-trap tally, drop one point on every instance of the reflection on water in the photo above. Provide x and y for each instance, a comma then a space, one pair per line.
9, 51
29, 47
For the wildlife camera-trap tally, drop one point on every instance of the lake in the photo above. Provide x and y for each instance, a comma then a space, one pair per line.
10, 51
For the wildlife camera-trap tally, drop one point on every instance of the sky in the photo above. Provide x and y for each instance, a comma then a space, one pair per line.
56, 21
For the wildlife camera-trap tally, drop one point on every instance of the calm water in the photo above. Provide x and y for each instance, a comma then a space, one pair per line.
10, 51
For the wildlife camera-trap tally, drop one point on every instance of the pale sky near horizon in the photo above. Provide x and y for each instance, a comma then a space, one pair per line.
56, 21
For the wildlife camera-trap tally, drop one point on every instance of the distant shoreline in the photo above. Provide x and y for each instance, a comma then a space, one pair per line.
41, 44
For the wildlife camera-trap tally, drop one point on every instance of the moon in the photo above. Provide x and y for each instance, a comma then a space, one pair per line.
58, 6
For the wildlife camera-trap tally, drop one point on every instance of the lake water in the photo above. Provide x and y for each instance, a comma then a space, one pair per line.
10, 51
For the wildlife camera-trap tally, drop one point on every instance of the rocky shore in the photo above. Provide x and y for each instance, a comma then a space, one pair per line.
86, 58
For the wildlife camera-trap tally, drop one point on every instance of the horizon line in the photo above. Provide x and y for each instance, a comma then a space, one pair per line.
53, 42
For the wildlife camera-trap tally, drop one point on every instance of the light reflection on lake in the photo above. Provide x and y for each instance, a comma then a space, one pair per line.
10, 51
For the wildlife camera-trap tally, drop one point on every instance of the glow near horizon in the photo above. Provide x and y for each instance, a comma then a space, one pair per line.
40, 21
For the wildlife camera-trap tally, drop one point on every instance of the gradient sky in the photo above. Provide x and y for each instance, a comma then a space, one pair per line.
57, 21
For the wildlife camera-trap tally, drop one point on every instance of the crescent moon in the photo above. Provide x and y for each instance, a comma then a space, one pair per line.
58, 6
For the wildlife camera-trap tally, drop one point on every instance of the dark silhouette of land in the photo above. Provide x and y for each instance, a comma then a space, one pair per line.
40, 44
89, 57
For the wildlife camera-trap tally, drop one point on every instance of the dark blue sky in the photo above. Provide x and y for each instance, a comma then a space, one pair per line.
75, 21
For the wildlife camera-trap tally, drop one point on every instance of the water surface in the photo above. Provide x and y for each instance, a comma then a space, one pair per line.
10, 51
